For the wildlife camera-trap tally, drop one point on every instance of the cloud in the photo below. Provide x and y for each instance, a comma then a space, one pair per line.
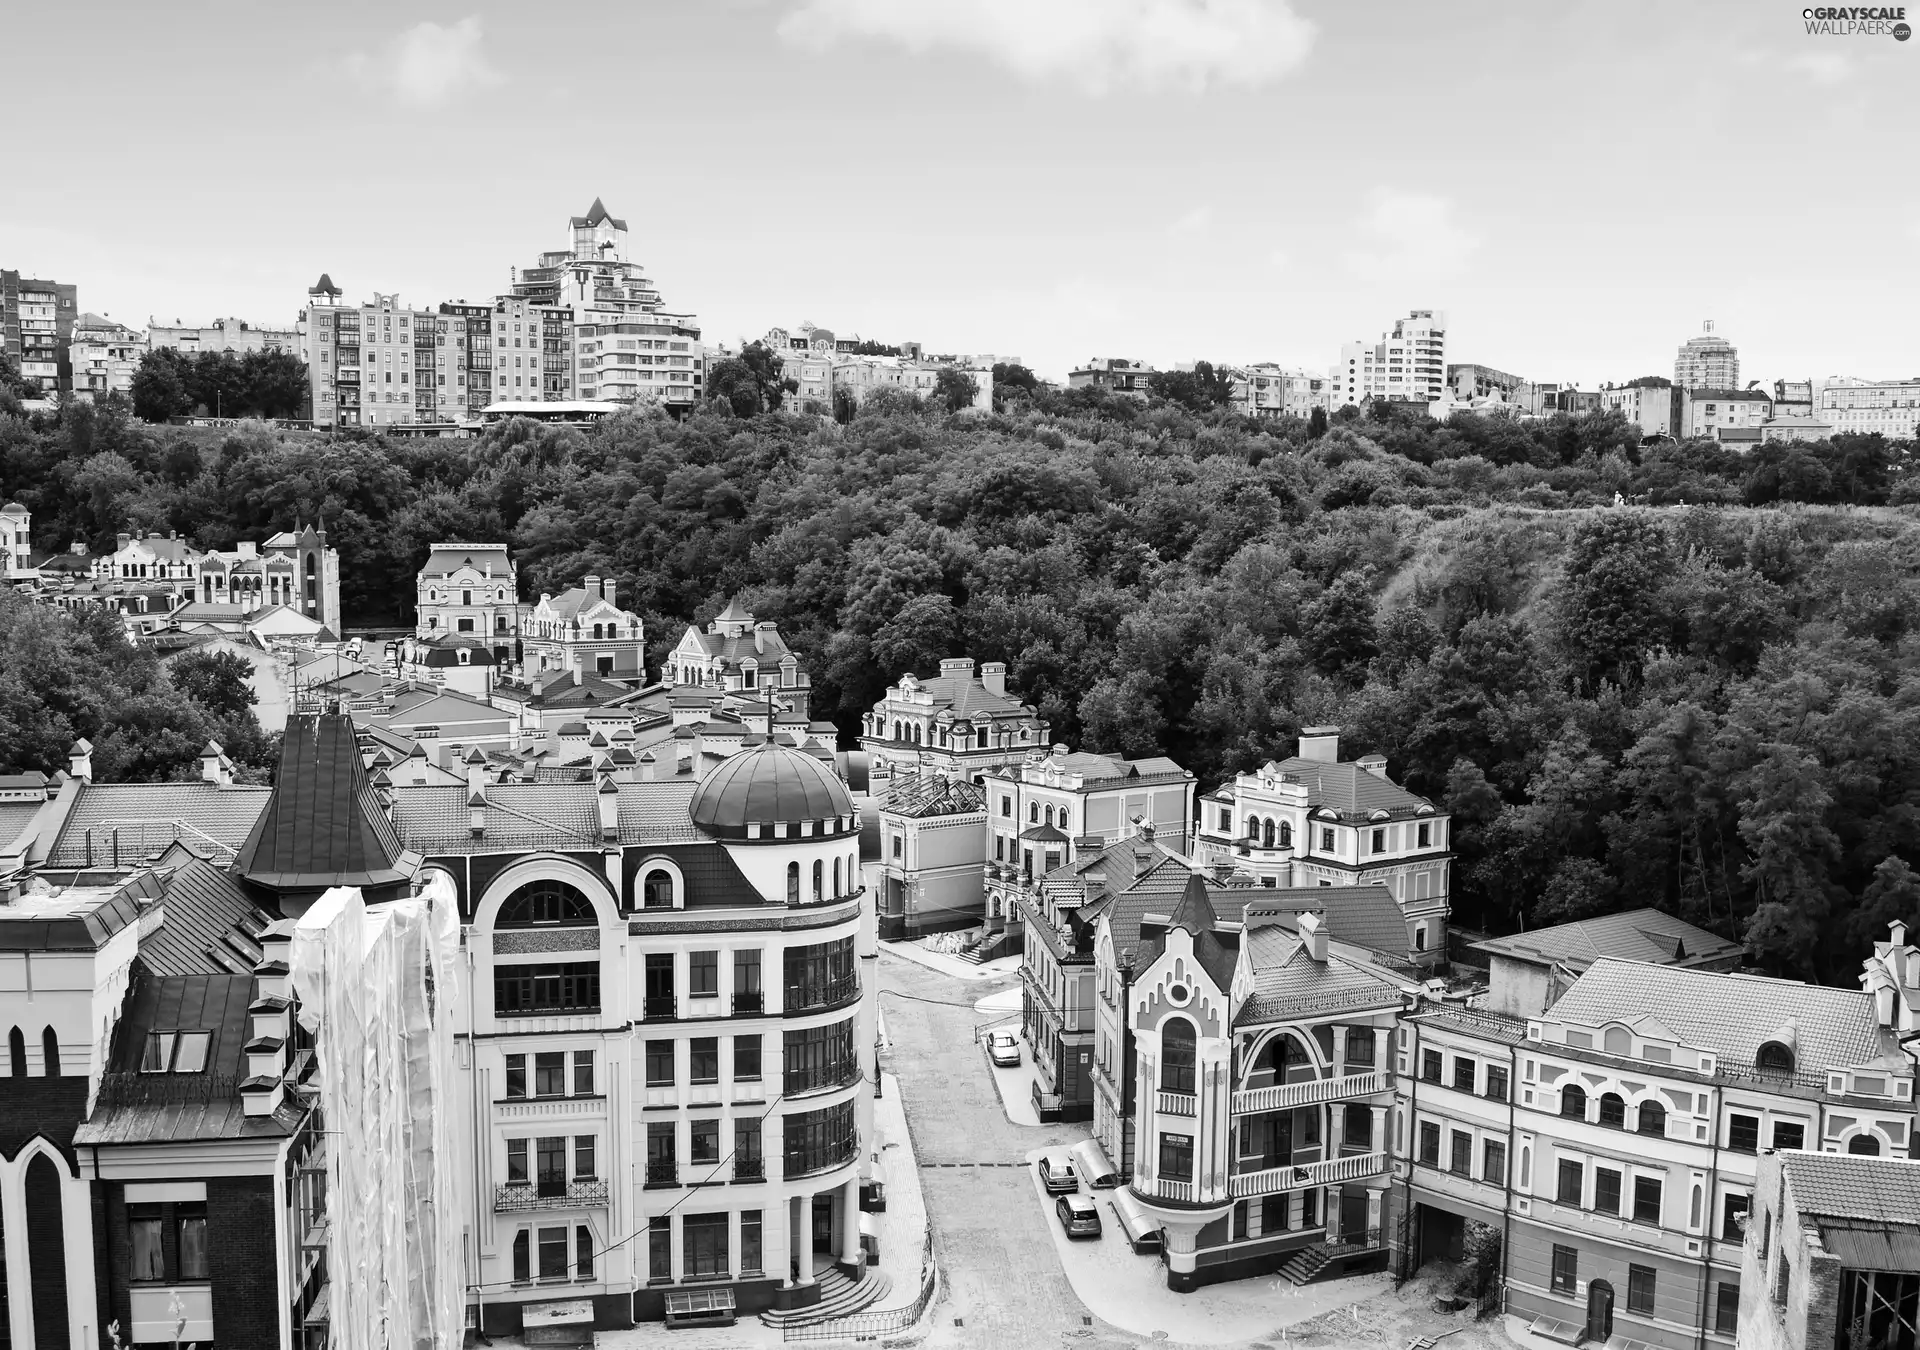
1196, 221
1822, 67
1279, 258
1410, 235
428, 64
1094, 46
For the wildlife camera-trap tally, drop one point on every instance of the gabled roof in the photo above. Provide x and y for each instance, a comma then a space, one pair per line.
324, 826
1288, 982
1731, 1015
1636, 935
595, 214
1351, 791
139, 820
445, 558
966, 695
1365, 916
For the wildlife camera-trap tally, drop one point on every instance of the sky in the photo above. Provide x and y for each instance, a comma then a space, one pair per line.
1579, 186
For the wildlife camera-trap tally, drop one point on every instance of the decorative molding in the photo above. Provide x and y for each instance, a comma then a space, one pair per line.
520, 940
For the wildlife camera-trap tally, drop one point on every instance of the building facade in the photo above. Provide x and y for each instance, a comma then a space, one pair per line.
738, 655
1409, 364
36, 329
222, 335
1707, 362
583, 629
933, 844
16, 543
1862, 407
382, 364
1268, 390
1470, 381
469, 590
1115, 374
957, 722
1313, 820
103, 357
1655, 411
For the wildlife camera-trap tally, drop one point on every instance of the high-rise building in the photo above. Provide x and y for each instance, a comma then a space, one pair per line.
1409, 363
381, 364
36, 327
1707, 362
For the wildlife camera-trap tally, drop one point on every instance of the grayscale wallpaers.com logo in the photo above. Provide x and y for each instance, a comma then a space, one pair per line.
1858, 21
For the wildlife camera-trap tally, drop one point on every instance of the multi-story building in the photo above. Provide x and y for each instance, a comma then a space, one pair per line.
36, 328
738, 655
1621, 1159
1116, 374
933, 845
1707, 362
1656, 411
583, 629
1408, 364
1531, 970
16, 543
296, 568
532, 351
1862, 407
667, 1033
1048, 808
222, 335
1263, 1091
103, 356
469, 349
1711, 414
1831, 1259
1268, 390
1312, 820
956, 722
1470, 381
381, 364
470, 590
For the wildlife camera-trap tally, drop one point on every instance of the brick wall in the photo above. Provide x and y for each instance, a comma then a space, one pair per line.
240, 1259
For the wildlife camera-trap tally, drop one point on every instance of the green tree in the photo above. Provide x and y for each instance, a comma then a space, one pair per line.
160, 386
1316, 424
219, 681
955, 390
1337, 629
1198, 390
1608, 611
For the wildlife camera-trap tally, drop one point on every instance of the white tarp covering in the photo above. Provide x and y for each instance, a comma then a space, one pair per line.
374, 987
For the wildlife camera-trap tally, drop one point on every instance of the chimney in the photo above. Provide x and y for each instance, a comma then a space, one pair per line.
1375, 764
1320, 743
592, 586
80, 760
1315, 936
609, 799
215, 767
123, 540
608, 588
1059, 750
993, 676
760, 637
649, 767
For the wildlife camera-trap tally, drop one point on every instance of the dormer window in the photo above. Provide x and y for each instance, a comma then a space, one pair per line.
1774, 1057
175, 1052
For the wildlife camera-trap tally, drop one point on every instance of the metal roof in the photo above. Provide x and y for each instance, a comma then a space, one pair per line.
768, 785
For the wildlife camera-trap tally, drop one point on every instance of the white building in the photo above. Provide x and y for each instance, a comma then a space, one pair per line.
1859, 407
1408, 363
104, 355
1654, 411
469, 590
381, 364
583, 629
1269, 390
222, 335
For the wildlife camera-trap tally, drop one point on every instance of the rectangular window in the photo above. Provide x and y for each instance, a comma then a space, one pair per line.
662, 1157
149, 1258
553, 1253
516, 1075
746, 1059
570, 986
1426, 835
748, 1164
1640, 1289
1358, 1127
1733, 1218
1789, 1136
1573, 1176
583, 1253
660, 1064
1273, 1214
706, 1143
583, 1073
517, 1162
550, 1157
1743, 1133
704, 1241
1360, 1047
703, 974
1497, 1082
190, 1224
1006, 806
1461, 1163
1326, 841
550, 1074
1566, 1270
750, 1242
1495, 1171
1464, 1072
1431, 1066
746, 981
1429, 1143
659, 985
1726, 1309
1240, 1218
705, 1059
585, 1165
1379, 841
522, 1258
660, 1247
1176, 1157
1606, 1190
1646, 1199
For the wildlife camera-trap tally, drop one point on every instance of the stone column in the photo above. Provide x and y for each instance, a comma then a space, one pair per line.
850, 1224
1339, 1065
1376, 1208
803, 1238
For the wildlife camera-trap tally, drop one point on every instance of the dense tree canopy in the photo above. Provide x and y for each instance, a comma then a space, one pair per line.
1711, 707
172, 383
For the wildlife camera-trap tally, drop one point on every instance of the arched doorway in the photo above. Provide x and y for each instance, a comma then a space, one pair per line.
47, 1255
1599, 1310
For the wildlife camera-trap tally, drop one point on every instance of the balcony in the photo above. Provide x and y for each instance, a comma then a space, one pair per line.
749, 1169
1283, 1096
661, 1006
829, 994
1273, 1180
516, 1196
836, 1153
752, 1001
1175, 1104
663, 1173
798, 1082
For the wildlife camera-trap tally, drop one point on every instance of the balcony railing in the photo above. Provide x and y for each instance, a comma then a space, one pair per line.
1174, 1103
574, 1195
664, 1006
663, 1173
1281, 1096
1272, 1180
749, 1169
751, 1001
794, 1082
828, 994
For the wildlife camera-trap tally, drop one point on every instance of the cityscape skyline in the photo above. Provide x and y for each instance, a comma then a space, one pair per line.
1283, 254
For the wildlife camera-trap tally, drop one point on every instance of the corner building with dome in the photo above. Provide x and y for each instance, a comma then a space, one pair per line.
666, 1052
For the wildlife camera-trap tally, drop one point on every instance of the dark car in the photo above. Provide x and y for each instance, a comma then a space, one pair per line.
1078, 1215
1056, 1172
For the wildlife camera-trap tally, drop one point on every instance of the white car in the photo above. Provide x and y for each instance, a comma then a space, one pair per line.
1003, 1048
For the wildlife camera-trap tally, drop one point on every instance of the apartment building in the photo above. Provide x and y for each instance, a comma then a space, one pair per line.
36, 328
469, 590
1268, 390
1116, 374
1470, 381
1707, 362
957, 722
470, 358
221, 335
103, 357
1656, 411
1862, 407
1408, 364
381, 364
1733, 416
1312, 820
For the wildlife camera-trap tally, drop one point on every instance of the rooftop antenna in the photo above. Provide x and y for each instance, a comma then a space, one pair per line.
1709, 326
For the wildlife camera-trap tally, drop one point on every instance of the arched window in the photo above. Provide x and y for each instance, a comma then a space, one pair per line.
1266, 835
542, 904
1033, 813
793, 883
1613, 1110
50, 1051
1573, 1102
1774, 1058
1277, 1057
656, 890
1865, 1145
1179, 1053
1286, 834
818, 869
1617, 1041
1653, 1119
1253, 827
1049, 815
17, 1051
836, 878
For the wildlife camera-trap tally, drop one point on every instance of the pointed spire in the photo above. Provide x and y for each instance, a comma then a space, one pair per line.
1195, 912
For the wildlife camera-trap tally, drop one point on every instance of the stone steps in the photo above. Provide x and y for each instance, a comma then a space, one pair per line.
839, 1297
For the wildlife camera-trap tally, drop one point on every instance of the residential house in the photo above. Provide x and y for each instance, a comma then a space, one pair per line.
469, 589
957, 722
737, 654
1531, 970
582, 629
933, 833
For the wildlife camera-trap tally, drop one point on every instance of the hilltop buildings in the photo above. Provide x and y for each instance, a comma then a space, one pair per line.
1890, 407
221, 335
1707, 362
958, 723
583, 629
36, 329
1410, 363
103, 356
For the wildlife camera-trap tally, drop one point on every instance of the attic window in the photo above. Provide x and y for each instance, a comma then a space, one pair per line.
1774, 1058
175, 1052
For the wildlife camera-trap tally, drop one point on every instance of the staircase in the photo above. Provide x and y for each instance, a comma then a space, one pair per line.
1308, 1264
839, 1296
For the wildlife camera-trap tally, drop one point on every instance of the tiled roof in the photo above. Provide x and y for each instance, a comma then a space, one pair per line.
1365, 916
444, 558
1637, 935
1124, 911
14, 819
1350, 790
1287, 981
595, 214
209, 819
966, 695
201, 904
736, 649
1849, 1186
561, 815
919, 798
1731, 1014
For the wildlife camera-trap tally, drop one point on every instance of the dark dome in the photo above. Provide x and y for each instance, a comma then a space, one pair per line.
771, 785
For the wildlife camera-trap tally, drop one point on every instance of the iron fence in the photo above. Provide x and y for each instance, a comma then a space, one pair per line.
871, 1326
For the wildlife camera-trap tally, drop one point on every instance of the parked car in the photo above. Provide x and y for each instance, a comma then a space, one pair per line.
1056, 1172
1003, 1048
1078, 1215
